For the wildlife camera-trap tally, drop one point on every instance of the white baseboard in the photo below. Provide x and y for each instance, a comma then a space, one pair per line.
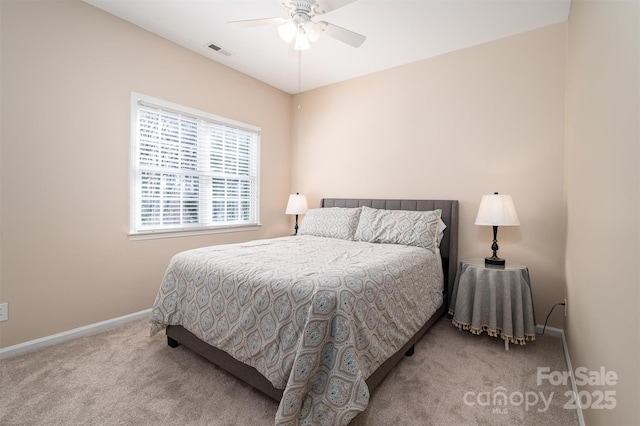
32, 345
559, 332
551, 331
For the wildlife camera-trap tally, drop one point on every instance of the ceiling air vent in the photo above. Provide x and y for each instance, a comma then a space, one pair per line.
218, 49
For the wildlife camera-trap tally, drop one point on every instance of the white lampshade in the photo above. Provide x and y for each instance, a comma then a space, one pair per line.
497, 210
297, 204
288, 31
302, 41
314, 30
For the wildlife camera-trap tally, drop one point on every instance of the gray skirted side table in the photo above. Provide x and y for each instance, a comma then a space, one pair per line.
495, 300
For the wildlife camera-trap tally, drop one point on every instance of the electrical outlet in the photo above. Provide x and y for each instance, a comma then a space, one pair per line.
565, 306
4, 311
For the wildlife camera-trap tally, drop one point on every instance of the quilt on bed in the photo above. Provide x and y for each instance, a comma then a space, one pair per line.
316, 316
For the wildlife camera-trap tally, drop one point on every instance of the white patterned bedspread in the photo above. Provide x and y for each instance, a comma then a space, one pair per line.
316, 316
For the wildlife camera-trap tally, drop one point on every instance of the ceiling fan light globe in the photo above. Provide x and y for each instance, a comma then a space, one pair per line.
314, 31
287, 31
302, 41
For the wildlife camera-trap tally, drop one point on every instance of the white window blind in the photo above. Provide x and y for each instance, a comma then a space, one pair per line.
192, 170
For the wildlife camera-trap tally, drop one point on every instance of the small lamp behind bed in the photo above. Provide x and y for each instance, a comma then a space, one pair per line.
496, 210
297, 205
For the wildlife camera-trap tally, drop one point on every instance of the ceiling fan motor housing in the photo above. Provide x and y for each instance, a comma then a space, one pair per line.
300, 7
300, 18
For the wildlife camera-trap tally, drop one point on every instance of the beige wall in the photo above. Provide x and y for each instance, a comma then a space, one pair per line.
603, 199
68, 70
483, 119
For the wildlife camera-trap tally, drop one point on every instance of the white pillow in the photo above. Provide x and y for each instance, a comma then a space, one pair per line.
441, 227
331, 222
416, 228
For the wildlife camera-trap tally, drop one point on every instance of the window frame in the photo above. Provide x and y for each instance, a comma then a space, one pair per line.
134, 203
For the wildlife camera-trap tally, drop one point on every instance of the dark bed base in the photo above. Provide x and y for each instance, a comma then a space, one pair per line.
178, 335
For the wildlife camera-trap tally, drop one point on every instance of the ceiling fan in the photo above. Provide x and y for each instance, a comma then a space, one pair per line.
299, 26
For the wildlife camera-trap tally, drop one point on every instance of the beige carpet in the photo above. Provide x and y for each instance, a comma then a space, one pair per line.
124, 377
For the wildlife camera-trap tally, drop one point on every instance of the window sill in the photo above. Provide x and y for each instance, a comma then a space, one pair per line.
152, 235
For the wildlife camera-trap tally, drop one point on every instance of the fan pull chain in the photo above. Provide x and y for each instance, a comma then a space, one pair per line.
299, 75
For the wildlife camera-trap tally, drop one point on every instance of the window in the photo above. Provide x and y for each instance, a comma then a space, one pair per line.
192, 172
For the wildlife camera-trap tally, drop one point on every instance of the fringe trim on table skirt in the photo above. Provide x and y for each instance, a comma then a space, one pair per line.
493, 333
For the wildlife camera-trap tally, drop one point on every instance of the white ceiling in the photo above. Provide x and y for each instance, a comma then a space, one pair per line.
397, 31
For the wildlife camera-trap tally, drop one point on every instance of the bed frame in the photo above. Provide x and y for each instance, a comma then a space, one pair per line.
178, 335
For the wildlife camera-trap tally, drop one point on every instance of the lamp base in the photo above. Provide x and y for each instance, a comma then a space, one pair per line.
494, 262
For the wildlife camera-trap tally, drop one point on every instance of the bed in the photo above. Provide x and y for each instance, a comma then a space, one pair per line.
316, 321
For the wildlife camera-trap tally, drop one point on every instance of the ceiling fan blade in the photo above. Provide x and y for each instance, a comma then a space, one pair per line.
325, 6
249, 23
343, 34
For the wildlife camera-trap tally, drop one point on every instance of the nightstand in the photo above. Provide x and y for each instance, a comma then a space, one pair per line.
495, 300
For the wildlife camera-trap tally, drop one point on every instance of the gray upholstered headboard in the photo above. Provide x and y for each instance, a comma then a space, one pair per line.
449, 244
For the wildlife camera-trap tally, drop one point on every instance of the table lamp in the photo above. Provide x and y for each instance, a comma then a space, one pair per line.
297, 205
496, 210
